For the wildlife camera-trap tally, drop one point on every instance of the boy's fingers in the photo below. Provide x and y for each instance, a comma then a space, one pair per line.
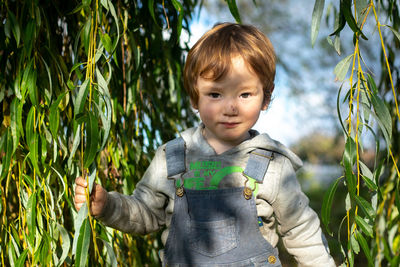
80, 198
80, 190
80, 181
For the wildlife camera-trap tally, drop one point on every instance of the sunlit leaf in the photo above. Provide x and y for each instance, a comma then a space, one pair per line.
82, 215
345, 8
316, 19
21, 259
81, 98
31, 218
82, 248
342, 68
366, 227
354, 244
365, 206
349, 157
179, 8
66, 244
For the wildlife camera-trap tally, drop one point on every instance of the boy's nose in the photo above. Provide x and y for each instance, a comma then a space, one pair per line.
231, 108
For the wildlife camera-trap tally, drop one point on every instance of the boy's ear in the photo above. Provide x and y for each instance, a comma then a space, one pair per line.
194, 104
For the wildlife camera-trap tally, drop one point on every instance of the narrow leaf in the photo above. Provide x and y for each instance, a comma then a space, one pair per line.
316, 19
92, 140
82, 215
81, 97
55, 116
367, 229
365, 206
75, 145
327, 204
354, 244
31, 218
66, 244
21, 259
342, 68
364, 245
83, 244
8, 148
396, 33
234, 10
15, 27
150, 5
179, 8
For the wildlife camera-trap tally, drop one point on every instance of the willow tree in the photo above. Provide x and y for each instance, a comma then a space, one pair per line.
371, 226
87, 88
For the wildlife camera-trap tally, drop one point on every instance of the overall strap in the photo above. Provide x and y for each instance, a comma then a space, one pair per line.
256, 169
257, 164
175, 156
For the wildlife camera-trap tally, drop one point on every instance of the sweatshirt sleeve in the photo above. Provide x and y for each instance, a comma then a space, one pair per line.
143, 211
298, 224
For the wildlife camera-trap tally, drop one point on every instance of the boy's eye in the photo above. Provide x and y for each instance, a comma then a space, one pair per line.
214, 95
245, 95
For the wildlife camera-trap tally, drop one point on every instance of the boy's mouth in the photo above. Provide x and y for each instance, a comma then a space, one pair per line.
230, 124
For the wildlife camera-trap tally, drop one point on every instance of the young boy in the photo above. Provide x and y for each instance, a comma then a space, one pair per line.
223, 191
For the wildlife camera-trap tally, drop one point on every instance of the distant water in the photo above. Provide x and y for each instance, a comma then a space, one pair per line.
313, 176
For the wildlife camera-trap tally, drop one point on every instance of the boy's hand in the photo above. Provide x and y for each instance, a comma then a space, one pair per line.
98, 197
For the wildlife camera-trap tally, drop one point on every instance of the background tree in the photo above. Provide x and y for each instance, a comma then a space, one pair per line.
372, 203
87, 88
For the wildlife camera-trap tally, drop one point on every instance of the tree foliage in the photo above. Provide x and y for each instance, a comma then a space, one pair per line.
87, 88
371, 225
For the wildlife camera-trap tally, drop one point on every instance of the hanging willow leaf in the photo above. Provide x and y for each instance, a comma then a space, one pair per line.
31, 218
365, 206
364, 245
349, 157
8, 148
342, 68
316, 19
234, 10
66, 244
327, 204
15, 122
366, 227
21, 259
345, 8
80, 218
55, 115
15, 26
82, 247
179, 8
81, 98
92, 139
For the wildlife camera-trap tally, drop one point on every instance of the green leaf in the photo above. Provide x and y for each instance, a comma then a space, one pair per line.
234, 10
55, 116
364, 245
106, 121
21, 259
75, 145
26, 79
92, 140
66, 244
92, 177
34, 151
15, 123
150, 5
396, 33
82, 215
30, 126
349, 157
327, 204
31, 218
110, 252
365, 206
106, 41
81, 98
354, 244
383, 116
342, 68
345, 8
316, 19
82, 248
367, 229
179, 8
15, 27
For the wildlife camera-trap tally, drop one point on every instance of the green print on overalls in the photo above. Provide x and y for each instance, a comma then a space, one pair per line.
210, 168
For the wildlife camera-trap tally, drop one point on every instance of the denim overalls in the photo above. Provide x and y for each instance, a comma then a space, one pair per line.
216, 227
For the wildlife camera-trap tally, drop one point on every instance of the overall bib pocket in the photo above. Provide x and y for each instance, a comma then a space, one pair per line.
213, 238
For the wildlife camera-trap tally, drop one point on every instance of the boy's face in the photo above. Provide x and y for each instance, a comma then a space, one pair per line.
231, 106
